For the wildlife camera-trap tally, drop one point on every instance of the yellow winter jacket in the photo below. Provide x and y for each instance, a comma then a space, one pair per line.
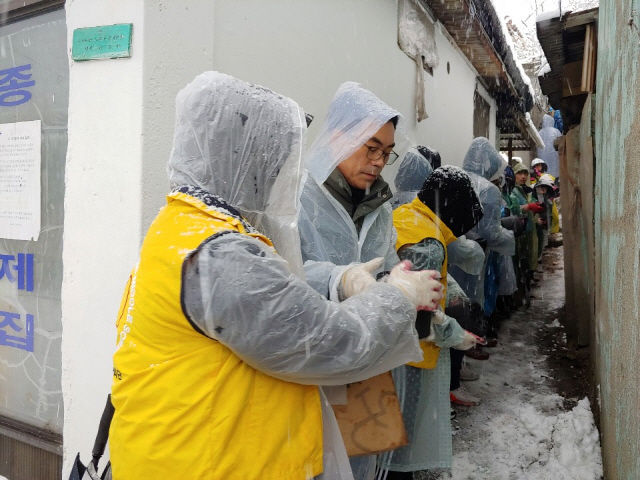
414, 222
185, 405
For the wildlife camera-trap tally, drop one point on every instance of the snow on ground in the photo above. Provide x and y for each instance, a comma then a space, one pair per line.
520, 431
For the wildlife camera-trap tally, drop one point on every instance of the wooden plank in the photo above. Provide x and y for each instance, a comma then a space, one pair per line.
581, 18
571, 79
589, 59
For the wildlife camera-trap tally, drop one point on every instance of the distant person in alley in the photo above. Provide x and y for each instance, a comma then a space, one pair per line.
220, 345
549, 133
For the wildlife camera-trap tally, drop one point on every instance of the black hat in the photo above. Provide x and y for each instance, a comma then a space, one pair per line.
449, 193
431, 155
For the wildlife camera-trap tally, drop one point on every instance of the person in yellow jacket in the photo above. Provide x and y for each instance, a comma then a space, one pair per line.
220, 345
539, 170
445, 208
547, 221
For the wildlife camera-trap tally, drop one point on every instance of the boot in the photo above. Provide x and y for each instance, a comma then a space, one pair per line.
461, 397
476, 353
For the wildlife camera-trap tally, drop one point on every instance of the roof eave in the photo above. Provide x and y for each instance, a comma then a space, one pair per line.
477, 31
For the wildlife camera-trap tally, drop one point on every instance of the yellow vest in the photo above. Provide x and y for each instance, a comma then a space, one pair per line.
414, 222
185, 405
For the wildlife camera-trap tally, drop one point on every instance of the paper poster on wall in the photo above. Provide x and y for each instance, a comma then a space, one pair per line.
20, 158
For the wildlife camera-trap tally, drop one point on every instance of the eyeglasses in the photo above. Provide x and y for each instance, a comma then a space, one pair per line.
375, 153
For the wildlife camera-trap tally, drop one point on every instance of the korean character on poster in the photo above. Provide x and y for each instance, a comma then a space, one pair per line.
12, 334
14, 82
18, 270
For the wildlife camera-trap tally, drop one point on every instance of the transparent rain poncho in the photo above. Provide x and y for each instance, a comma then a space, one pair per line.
242, 144
466, 254
548, 153
482, 162
424, 393
508, 281
330, 239
235, 168
413, 171
329, 236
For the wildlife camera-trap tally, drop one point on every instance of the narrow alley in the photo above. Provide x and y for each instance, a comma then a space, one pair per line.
533, 423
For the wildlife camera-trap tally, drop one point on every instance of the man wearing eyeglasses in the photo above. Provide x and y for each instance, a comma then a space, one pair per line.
365, 190
346, 217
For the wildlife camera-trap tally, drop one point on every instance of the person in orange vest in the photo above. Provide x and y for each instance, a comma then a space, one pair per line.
221, 346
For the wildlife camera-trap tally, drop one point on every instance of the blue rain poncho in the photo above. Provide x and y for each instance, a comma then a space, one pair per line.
238, 148
483, 163
549, 133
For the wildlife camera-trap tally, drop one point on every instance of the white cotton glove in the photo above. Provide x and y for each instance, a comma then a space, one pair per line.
423, 288
358, 277
470, 340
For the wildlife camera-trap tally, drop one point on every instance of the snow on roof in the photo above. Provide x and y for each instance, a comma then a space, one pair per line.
511, 46
576, 6
533, 131
541, 17
544, 69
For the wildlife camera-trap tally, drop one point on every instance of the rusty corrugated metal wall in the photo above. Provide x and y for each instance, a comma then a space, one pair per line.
617, 230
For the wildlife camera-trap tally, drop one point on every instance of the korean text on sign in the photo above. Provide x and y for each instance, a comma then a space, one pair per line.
18, 270
12, 334
14, 82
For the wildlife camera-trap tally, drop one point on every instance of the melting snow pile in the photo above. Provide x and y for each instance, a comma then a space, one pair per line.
544, 446
520, 430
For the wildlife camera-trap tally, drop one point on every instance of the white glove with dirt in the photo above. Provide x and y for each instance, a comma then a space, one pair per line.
422, 288
358, 277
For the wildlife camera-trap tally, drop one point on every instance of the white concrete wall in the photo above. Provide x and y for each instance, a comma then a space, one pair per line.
102, 216
178, 45
121, 115
307, 49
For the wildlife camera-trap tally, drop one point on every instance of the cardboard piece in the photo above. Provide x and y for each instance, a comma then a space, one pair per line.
371, 421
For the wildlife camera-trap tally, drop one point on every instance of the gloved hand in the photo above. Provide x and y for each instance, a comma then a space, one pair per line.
470, 340
437, 317
358, 277
534, 207
422, 288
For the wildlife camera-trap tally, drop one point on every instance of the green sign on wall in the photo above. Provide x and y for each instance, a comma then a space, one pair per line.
96, 43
